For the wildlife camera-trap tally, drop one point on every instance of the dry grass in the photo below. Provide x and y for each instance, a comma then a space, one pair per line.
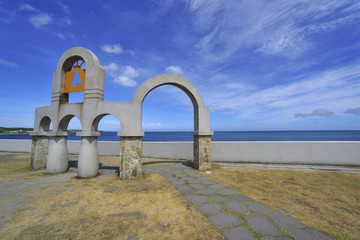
329, 202
62, 206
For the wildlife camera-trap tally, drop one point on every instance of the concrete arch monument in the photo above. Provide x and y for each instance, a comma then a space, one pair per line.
53, 154
201, 133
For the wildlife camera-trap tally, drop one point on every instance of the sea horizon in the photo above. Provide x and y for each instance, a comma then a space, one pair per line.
255, 135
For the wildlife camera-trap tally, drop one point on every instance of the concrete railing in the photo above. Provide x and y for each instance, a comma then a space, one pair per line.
329, 153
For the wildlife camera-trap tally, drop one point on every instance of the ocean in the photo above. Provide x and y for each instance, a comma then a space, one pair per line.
349, 135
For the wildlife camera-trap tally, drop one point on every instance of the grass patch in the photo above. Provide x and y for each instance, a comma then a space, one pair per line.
23, 156
328, 202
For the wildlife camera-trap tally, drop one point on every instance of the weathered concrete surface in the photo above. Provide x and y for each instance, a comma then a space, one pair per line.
130, 157
39, 152
57, 161
332, 153
88, 164
93, 108
311, 158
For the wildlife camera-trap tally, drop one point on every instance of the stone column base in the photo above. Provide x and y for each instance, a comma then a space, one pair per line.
130, 157
202, 152
39, 152
88, 164
57, 161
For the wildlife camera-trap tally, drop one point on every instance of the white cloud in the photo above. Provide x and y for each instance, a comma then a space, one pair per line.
8, 63
111, 67
126, 78
174, 69
131, 72
112, 48
60, 35
40, 20
27, 8
125, 81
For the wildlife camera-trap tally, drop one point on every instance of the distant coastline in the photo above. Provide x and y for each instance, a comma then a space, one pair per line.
14, 130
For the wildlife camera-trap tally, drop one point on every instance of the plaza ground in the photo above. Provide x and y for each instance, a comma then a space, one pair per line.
35, 205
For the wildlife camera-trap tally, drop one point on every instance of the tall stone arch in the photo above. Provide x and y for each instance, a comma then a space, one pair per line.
201, 133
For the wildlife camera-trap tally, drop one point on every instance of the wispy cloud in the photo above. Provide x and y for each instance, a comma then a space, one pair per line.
40, 20
64, 7
112, 48
60, 35
174, 69
355, 111
66, 21
282, 28
8, 63
315, 113
27, 7
330, 89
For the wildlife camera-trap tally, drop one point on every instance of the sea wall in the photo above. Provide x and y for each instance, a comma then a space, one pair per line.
330, 153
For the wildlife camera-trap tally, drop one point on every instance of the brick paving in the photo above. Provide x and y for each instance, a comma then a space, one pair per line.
237, 216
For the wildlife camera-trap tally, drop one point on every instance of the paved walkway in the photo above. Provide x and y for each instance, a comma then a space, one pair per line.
237, 216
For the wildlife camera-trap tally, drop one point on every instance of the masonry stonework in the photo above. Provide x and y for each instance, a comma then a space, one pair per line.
130, 157
202, 152
39, 152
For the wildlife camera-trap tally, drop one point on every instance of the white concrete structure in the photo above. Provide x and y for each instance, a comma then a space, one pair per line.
312, 153
93, 109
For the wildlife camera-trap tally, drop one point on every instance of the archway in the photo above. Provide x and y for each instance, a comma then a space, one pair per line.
201, 133
167, 109
45, 124
93, 109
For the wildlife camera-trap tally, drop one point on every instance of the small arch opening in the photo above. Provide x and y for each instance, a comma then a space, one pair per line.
45, 124
70, 123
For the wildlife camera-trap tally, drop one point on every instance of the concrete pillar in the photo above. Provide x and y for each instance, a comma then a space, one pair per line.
130, 157
39, 152
202, 152
88, 164
57, 161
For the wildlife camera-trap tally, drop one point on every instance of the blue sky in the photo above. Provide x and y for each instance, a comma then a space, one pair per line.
259, 65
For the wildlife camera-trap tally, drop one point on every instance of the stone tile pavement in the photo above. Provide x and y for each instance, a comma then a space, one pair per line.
237, 216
